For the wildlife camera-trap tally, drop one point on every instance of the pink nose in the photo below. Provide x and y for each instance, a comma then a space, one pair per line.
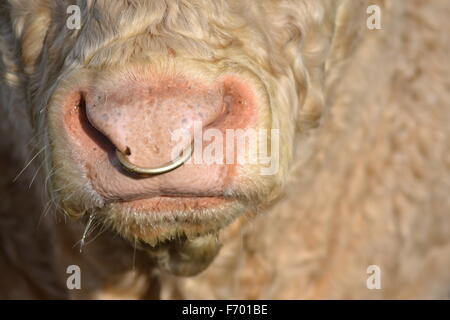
140, 121
138, 116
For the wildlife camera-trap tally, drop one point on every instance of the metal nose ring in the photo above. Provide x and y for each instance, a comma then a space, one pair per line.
172, 165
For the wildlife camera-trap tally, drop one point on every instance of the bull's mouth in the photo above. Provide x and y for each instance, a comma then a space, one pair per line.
162, 218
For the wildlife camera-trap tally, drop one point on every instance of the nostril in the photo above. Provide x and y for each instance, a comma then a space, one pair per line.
127, 151
81, 129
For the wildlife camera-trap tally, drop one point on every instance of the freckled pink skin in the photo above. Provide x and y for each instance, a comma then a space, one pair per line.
140, 117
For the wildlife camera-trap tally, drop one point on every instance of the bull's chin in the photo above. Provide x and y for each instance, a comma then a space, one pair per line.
180, 233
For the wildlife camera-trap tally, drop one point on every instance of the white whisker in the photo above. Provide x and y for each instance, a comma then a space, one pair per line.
28, 164
86, 230
35, 175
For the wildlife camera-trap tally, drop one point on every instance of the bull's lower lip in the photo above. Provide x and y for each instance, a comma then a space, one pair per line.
158, 219
174, 203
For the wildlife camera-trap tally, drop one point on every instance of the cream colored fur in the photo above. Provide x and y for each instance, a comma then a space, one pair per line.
365, 120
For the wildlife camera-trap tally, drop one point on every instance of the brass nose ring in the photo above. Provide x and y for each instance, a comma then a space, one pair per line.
172, 165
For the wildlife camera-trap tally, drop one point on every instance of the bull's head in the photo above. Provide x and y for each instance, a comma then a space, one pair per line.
168, 120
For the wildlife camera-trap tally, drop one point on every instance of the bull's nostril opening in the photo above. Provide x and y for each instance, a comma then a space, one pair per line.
89, 131
127, 151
